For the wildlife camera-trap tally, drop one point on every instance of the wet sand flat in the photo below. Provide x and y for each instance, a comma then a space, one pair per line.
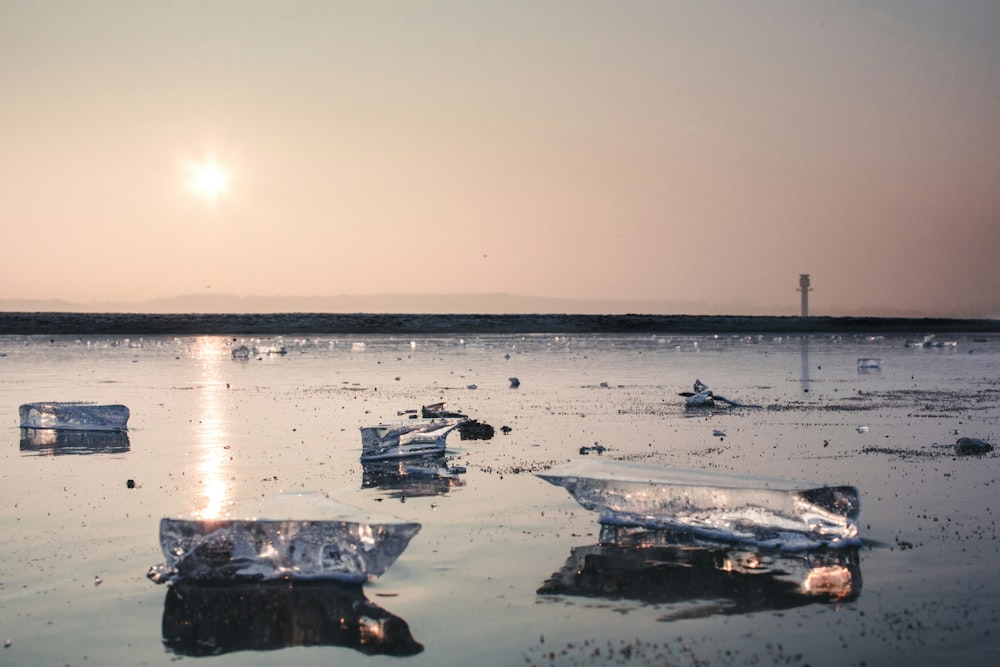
506, 569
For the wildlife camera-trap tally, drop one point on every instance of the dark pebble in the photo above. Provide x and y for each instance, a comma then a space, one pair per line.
972, 447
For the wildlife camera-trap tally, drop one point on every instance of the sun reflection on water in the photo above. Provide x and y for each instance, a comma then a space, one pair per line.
213, 428
835, 581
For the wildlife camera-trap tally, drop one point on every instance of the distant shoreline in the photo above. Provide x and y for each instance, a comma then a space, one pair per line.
68, 323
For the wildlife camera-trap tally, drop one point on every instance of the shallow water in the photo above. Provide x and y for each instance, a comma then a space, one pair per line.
207, 430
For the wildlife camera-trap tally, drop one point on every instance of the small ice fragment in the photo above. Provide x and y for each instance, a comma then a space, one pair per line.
291, 536
717, 433
703, 397
471, 386
869, 362
269, 350
438, 411
514, 382
931, 341
699, 400
413, 437
241, 352
862, 429
598, 447
773, 512
972, 447
74, 416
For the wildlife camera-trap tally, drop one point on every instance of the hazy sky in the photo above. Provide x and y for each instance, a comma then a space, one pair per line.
664, 150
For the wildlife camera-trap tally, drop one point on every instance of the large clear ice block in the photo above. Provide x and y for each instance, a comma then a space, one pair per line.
74, 416
292, 536
779, 513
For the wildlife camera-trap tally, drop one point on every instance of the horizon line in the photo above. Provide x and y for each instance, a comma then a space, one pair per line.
454, 303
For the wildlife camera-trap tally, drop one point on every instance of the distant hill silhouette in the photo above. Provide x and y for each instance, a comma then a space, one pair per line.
493, 303
396, 324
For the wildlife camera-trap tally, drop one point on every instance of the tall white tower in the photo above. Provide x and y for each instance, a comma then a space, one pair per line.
805, 289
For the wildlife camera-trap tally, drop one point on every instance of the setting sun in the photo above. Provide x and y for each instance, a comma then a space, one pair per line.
209, 179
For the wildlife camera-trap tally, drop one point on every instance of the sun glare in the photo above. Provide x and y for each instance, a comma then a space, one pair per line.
209, 180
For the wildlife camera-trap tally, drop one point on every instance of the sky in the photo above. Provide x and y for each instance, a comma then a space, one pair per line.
699, 151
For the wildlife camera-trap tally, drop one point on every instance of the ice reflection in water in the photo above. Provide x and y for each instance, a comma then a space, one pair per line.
701, 578
213, 620
51, 442
804, 353
411, 477
213, 427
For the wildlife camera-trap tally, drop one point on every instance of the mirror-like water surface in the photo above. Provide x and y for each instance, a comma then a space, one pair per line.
506, 569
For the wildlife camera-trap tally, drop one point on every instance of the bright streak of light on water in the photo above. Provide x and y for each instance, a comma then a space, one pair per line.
213, 430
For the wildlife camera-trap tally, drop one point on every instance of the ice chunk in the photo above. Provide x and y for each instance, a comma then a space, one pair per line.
772, 512
931, 341
269, 350
438, 411
701, 577
869, 366
413, 437
291, 536
48, 441
213, 620
74, 416
703, 397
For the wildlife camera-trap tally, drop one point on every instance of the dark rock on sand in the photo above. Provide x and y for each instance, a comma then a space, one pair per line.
972, 447
475, 430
